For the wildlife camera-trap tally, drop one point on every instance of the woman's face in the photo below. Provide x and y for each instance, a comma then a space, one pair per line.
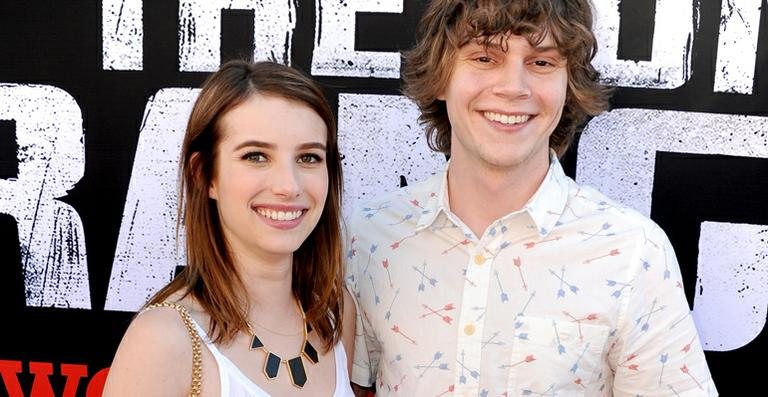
270, 176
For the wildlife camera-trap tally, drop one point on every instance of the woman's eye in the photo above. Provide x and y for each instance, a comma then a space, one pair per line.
255, 157
484, 59
310, 158
542, 63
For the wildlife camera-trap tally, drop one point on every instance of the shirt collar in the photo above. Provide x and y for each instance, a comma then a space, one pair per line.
547, 204
545, 207
436, 195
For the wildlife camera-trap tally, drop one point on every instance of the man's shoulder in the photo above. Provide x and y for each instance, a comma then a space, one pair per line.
397, 202
587, 199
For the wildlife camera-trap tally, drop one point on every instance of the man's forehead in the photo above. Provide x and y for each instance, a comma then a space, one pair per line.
543, 40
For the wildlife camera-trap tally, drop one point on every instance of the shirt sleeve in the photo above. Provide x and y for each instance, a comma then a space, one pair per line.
367, 350
657, 351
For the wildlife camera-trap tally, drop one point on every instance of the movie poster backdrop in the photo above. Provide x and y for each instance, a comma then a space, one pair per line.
94, 96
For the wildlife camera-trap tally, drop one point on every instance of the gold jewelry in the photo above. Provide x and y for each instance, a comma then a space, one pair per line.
197, 353
273, 331
295, 365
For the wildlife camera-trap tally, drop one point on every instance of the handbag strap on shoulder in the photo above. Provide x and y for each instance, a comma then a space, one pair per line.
197, 355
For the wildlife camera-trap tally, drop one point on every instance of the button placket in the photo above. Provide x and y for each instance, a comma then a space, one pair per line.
474, 301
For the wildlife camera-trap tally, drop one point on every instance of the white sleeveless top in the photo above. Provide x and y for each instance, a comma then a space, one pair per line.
234, 383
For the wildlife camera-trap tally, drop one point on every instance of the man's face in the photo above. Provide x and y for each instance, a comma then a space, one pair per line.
503, 105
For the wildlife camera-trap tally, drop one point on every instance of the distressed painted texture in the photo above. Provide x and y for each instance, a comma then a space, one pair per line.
381, 140
147, 252
122, 34
51, 157
676, 22
617, 151
732, 284
200, 31
334, 53
737, 46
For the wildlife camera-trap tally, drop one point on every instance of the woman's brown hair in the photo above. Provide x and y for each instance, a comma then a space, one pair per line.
210, 276
447, 25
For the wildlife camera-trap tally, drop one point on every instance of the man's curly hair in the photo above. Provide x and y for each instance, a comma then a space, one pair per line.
447, 25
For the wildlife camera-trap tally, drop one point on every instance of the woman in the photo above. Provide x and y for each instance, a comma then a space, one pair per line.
261, 185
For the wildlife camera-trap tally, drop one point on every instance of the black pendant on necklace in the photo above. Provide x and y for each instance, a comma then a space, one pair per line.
310, 352
297, 372
272, 365
256, 343
295, 365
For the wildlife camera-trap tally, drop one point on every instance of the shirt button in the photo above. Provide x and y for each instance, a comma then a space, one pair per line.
469, 329
479, 259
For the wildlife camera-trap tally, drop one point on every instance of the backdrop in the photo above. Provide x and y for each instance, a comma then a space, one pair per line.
94, 96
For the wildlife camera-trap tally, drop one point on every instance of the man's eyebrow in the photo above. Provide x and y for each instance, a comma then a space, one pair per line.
548, 48
487, 42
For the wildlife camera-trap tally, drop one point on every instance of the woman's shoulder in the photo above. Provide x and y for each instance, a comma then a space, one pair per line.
164, 327
154, 357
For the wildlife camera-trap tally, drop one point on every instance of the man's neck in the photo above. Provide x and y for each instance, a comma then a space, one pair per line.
480, 195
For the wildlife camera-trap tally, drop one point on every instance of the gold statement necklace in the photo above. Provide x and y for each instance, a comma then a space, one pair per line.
295, 365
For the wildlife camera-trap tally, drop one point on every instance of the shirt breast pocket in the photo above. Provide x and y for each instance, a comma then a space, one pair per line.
551, 357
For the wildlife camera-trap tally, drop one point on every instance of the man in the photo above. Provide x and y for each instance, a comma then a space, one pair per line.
502, 276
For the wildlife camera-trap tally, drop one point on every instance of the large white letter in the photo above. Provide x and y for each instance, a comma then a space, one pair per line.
122, 35
670, 64
617, 155
334, 53
732, 305
380, 140
51, 157
200, 31
737, 46
147, 252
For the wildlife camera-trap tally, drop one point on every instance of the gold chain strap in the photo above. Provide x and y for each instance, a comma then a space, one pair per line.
197, 355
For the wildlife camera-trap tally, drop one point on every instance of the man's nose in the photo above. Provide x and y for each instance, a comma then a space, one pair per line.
512, 80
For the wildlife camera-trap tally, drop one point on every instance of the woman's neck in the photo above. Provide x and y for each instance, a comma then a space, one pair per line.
267, 283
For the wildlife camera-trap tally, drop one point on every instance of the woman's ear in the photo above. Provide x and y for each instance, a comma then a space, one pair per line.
212, 192
196, 167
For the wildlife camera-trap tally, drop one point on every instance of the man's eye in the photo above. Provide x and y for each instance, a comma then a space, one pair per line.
542, 63
309, 158
256, 157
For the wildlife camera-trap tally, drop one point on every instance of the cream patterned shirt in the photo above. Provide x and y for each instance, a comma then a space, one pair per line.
574, 295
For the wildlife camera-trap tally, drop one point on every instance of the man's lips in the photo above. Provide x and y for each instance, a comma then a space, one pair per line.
506, 119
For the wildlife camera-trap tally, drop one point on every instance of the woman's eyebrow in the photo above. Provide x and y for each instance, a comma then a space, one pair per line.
313, 145
255, 143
